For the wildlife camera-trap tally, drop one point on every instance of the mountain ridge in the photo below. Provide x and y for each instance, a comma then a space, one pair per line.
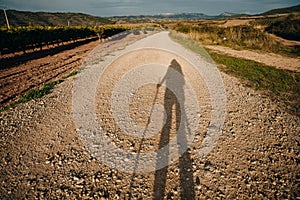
27, 18
286, 10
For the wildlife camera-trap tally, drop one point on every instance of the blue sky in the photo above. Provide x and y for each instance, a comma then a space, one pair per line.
137, 7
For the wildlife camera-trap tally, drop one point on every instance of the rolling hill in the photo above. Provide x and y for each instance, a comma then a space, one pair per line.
24, 18
178, 16
283, 10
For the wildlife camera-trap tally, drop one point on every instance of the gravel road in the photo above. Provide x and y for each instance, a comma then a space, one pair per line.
43, 155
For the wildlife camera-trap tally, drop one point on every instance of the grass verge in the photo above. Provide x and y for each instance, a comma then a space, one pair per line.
35, 94
281, 84
189, 43
277, 83
38, 93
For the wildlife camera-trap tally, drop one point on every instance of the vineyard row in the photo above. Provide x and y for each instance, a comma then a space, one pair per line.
24, 38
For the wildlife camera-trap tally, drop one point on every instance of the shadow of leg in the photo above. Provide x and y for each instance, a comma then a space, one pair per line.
161, 174
185, 161
186, 177
160, 183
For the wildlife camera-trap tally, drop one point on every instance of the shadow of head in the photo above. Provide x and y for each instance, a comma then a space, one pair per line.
176, 66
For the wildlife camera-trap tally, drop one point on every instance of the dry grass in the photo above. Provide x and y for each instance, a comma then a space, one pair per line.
237, 37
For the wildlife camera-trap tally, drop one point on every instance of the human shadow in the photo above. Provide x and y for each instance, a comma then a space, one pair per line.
173, 110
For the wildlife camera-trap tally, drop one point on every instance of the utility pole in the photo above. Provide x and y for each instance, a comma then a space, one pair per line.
6, 18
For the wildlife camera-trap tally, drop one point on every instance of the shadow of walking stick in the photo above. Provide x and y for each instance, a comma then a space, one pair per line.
141, 143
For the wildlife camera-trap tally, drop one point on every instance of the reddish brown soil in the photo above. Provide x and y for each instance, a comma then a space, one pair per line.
20, 72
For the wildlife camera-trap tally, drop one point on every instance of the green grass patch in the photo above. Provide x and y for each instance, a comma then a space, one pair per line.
73, 73
189, 43
278, 83
35, 94
38, 93
259, 75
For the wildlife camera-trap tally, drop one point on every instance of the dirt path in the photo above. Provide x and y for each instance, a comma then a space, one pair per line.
270, 59
43, 155
23, 72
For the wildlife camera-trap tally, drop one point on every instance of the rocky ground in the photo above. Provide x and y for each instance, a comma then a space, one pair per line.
43, 157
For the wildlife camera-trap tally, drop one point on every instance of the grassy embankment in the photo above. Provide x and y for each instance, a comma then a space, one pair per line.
254, 36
